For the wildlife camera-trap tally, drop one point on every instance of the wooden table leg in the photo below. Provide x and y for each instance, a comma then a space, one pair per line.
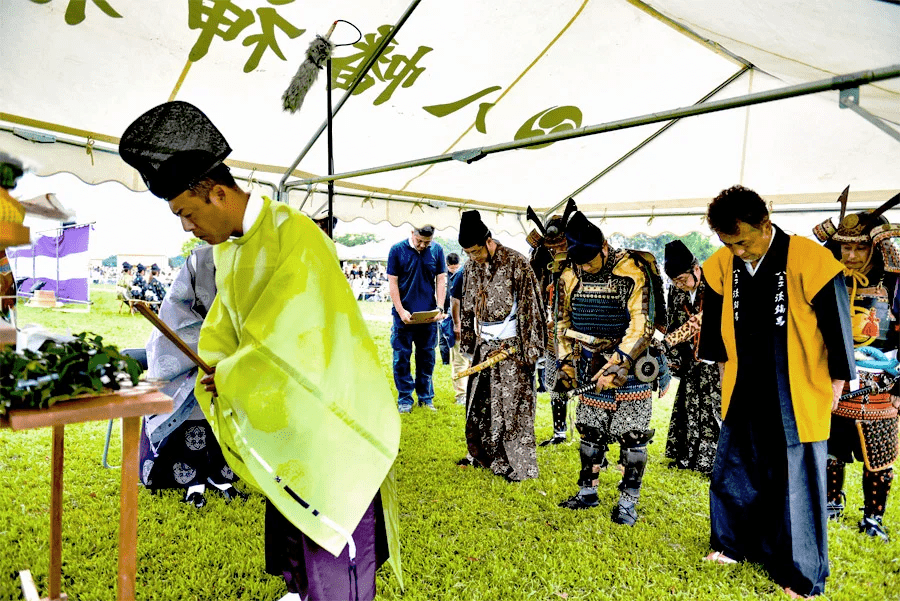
131, 428
56, 507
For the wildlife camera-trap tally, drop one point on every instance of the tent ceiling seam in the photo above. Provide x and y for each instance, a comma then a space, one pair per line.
690, 33
540, 55
181, 78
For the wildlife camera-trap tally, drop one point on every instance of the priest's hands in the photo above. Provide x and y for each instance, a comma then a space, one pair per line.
441, 316
405, 316
209, 382
837, 389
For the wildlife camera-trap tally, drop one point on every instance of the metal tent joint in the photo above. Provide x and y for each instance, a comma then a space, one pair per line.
469, 156
849, 99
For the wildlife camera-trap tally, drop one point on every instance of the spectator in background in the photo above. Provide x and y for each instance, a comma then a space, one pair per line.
154, 291
417, 282
458, 361
446, 337
138, 283
123, 285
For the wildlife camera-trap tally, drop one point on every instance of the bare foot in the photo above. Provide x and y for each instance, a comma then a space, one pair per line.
790, 593
719, 557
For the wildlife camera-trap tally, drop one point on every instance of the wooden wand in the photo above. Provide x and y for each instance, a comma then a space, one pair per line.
144, 309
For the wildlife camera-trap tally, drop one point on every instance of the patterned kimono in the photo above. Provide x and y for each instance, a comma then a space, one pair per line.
695, 424
501, 400
154, 290
178, 449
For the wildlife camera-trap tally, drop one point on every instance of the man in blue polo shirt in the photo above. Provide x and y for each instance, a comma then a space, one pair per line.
418, 282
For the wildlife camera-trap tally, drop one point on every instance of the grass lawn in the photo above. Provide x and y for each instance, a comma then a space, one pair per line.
465, 534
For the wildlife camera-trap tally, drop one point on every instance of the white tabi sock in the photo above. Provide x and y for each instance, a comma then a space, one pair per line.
224, 486
200, 488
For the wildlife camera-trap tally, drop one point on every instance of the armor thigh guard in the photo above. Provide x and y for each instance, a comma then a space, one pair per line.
879, 442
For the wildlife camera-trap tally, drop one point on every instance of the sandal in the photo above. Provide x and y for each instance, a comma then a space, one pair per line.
719, 557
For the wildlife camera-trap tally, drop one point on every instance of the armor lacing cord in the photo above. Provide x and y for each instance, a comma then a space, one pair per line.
480, 308
628, 497
858, 276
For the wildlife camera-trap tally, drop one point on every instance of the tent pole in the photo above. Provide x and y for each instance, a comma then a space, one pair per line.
330, 227
359, 78
646, 141
839, 82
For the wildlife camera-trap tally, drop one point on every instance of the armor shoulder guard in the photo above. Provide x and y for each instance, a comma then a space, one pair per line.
648, 264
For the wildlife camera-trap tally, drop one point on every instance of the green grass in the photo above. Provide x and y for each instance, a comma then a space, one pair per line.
465, 534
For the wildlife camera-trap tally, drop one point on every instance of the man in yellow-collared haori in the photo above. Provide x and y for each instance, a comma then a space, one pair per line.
776, 318
299, 403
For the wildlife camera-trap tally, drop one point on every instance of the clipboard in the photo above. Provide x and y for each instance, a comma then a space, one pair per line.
423, 316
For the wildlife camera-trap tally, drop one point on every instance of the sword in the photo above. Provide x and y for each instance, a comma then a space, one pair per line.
582, 390
492, 360
876, 388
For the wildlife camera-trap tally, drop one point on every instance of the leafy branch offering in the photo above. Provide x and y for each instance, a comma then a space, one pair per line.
31, 380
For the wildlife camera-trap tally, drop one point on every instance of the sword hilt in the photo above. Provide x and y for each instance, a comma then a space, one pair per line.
876, 388
582, 390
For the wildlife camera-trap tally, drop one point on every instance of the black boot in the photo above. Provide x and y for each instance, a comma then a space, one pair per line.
593, 457
834, 482
633, 451
876, 487
558, 409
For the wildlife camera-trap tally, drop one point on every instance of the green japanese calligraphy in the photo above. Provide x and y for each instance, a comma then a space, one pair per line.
75, 10
226, 20
268, 20
442, 110
223, 19
394, 69
554, 119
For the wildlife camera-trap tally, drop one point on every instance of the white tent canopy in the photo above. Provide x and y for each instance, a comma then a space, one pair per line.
472, 74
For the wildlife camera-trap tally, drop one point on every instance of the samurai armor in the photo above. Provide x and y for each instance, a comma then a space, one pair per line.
887, 238
879, 443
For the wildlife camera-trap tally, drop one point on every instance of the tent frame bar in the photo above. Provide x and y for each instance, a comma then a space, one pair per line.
643, 143
849, 99
701, 211
839, 82
282, 187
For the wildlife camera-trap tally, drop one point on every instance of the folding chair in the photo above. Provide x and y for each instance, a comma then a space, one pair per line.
139, 355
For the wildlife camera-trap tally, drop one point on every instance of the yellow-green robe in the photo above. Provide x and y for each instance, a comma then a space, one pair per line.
300, 385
